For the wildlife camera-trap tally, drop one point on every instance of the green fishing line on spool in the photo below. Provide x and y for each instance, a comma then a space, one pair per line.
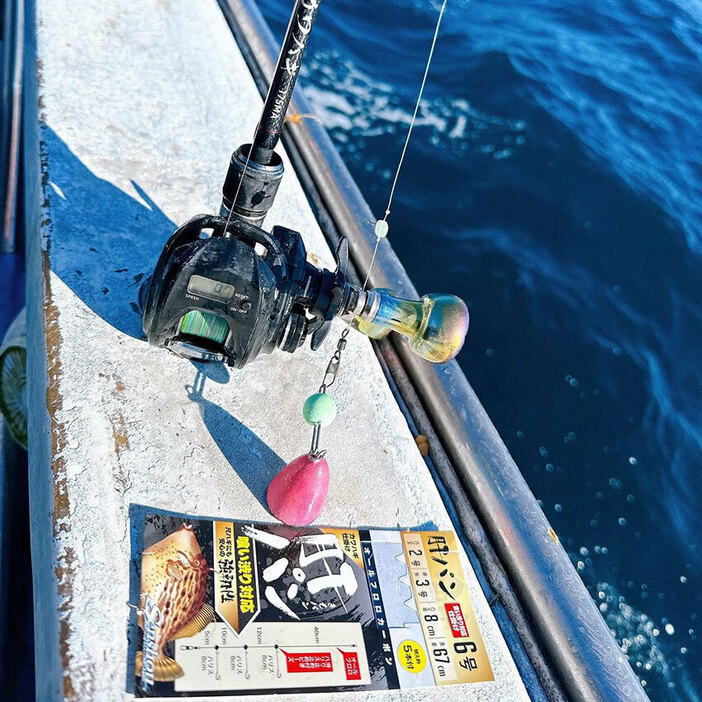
206, 325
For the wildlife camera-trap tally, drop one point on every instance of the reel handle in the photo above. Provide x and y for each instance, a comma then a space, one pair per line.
435, 325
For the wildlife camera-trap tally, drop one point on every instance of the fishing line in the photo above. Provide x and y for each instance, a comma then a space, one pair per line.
243, 175
381, 226
381, 231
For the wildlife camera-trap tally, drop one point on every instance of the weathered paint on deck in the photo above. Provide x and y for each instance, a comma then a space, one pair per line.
132, 111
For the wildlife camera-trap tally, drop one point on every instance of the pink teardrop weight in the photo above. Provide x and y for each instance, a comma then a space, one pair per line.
296, 495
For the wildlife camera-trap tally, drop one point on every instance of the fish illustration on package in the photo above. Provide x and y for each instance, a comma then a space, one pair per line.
172, 602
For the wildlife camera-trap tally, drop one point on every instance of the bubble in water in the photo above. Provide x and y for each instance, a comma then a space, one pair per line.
634, 630
632, 460
622, 521
669, 629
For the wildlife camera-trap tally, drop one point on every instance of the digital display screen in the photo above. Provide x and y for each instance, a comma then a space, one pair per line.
199, 285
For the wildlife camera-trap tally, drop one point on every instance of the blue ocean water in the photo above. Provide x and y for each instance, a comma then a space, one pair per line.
555, 182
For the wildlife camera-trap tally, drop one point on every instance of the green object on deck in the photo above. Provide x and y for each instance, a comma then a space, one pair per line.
206, 325
319, 408
13, 379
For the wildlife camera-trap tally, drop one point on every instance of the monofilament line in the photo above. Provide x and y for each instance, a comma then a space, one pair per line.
416, 109
407, 139
370, 268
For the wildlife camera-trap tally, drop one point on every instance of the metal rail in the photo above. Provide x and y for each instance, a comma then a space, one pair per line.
575, 635
526, 647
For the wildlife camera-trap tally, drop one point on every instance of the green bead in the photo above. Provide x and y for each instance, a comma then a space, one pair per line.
319, 408
381, 228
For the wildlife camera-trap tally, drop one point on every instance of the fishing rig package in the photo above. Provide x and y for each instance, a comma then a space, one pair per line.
225, 290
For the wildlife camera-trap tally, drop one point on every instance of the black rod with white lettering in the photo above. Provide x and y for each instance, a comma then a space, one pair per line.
283, 81
255, 169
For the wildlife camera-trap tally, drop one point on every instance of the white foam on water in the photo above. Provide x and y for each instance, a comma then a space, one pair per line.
356, 107
650, 654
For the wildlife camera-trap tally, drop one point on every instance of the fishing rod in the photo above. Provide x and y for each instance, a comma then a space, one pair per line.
255, 170
224, 289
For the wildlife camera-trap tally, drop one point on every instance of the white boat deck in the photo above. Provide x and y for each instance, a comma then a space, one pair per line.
133, 112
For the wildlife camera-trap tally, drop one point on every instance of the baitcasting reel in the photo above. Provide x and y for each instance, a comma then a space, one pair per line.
214, 297
227, 291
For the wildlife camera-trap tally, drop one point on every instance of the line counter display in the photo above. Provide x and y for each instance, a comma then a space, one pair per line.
229, 607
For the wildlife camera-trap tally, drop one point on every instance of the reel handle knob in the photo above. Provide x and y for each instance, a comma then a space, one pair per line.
435, 325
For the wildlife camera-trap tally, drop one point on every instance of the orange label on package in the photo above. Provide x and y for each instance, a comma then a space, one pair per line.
350, 542
235, 591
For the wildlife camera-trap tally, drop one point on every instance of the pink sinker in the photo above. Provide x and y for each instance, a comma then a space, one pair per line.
296, 495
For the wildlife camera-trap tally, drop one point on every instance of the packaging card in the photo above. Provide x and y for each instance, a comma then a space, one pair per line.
230, 607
